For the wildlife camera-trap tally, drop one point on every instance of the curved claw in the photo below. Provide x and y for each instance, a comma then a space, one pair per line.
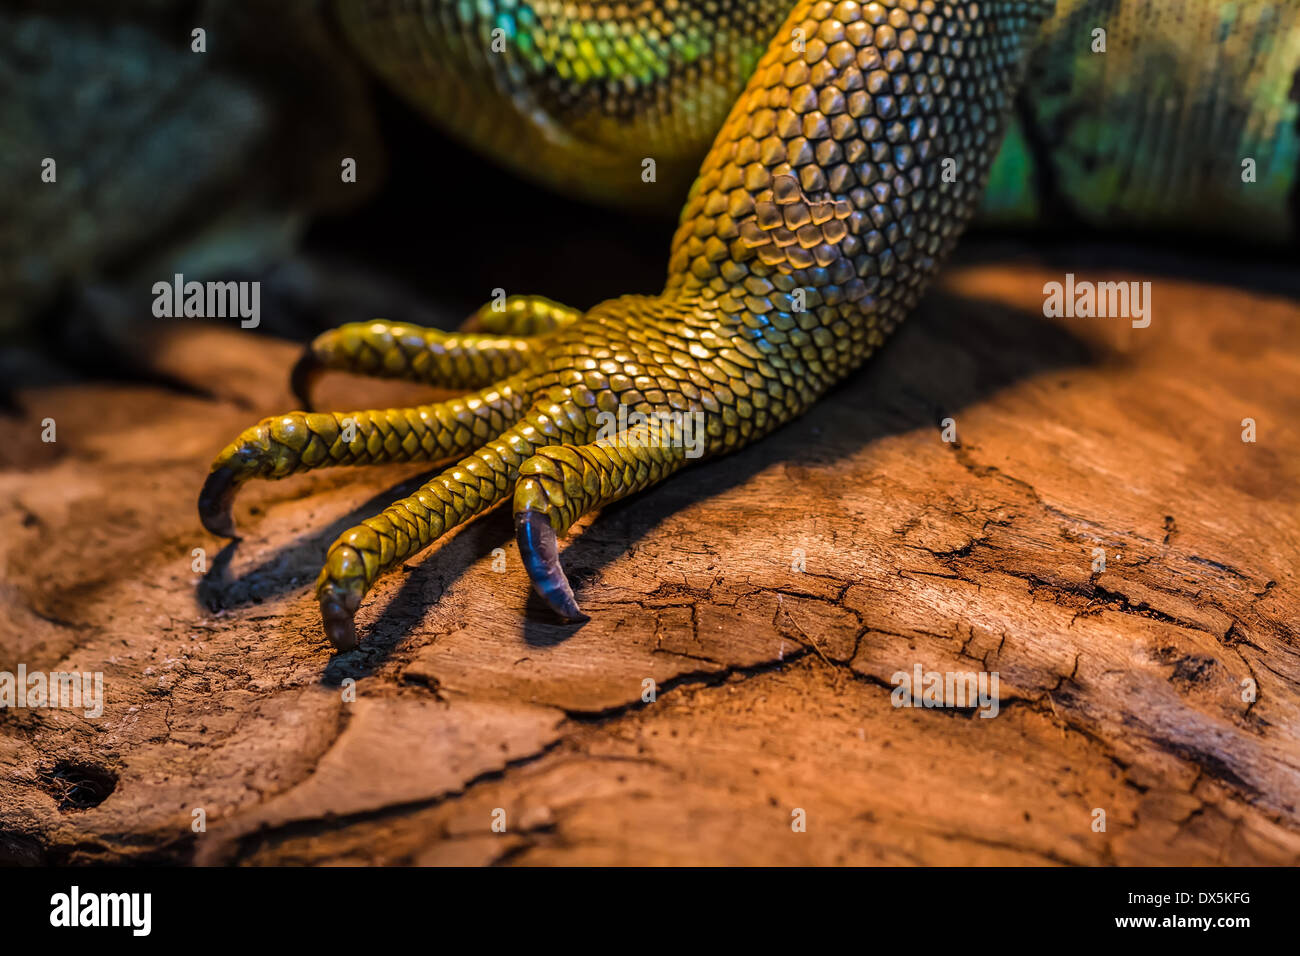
536, 540
338, 620
305, 372
216, 502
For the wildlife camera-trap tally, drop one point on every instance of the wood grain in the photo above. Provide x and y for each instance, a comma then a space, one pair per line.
1120, 690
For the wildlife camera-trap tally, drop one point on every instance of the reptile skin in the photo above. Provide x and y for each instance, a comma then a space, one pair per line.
839, 179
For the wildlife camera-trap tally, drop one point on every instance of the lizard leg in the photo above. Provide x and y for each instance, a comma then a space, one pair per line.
470, 487
412, 352
561, 483
819, 216
521, 315
301, 441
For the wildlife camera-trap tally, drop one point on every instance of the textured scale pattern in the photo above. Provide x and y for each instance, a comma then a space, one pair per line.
816, 219
1152, 133
838, 181
575, 94
398, 350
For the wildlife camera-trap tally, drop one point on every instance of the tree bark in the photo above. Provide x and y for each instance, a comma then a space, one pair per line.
1146, 707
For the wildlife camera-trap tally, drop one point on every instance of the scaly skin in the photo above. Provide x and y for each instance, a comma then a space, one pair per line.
575, 95
1150, 133
816, 220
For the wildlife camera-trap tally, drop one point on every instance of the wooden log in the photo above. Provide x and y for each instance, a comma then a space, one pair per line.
1146, 710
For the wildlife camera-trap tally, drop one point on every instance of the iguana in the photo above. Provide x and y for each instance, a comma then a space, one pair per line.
851, 144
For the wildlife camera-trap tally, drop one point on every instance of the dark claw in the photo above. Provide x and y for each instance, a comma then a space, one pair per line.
216, 502
339, 626
536, 540
304, 375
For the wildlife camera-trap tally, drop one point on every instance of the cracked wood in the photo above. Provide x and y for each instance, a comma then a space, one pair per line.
1121, 689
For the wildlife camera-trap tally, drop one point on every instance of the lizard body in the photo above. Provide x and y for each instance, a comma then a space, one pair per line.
1151, 132
839, 178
